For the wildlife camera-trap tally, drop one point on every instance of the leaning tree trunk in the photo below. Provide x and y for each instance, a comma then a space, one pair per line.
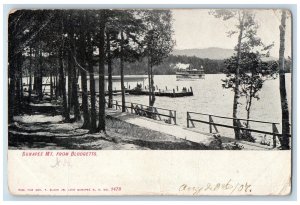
237, 81
248, 111
249, 102
284, 140
101, 125
122, 73
109, 70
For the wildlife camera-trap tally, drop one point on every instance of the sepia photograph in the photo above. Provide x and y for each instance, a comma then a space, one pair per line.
158, 79
150, 101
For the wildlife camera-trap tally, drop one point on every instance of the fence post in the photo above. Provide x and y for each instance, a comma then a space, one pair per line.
210, 126
175, 117
187, 119
142, 110
275, 130
131, 108
116, 105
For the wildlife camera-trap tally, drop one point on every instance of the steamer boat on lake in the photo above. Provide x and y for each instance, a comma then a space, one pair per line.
189, 73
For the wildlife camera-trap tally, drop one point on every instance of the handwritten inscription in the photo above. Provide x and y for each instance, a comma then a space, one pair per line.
61, 163
230, 187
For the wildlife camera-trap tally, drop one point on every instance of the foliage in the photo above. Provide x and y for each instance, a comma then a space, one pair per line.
157, 40
249, 50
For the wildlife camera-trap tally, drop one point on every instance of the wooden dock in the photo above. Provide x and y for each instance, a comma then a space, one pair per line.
167, 93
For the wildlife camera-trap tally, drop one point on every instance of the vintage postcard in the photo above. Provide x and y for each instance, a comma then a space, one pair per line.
149, 101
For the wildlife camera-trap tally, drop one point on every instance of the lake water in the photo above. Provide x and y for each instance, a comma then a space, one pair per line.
209, 97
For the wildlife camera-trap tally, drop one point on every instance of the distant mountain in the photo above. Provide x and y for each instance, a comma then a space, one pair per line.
213, 53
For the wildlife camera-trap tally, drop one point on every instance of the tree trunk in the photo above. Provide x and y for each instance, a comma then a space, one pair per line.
73, 76
40, 75
149, 80
237, 81
20, 59
93, 124
122, 72
30, 75
56, 83
21, 80
51, 86
152, 87
69, 84
63, 86
75, 101
109, 69
82, 49
18, 85
66, 113
248, 111
35, 70
86, 116
284, 140
12, 84
75, 98
101, 125
249, 102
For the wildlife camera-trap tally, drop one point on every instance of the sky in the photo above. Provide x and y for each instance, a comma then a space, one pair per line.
196, 28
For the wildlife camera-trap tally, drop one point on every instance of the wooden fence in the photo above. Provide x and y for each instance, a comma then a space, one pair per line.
169, 116
213, 125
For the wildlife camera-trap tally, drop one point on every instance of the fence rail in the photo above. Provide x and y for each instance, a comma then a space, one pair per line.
213, 125
146, 111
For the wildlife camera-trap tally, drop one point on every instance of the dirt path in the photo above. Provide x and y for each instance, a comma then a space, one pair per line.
42, 129
47, 131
